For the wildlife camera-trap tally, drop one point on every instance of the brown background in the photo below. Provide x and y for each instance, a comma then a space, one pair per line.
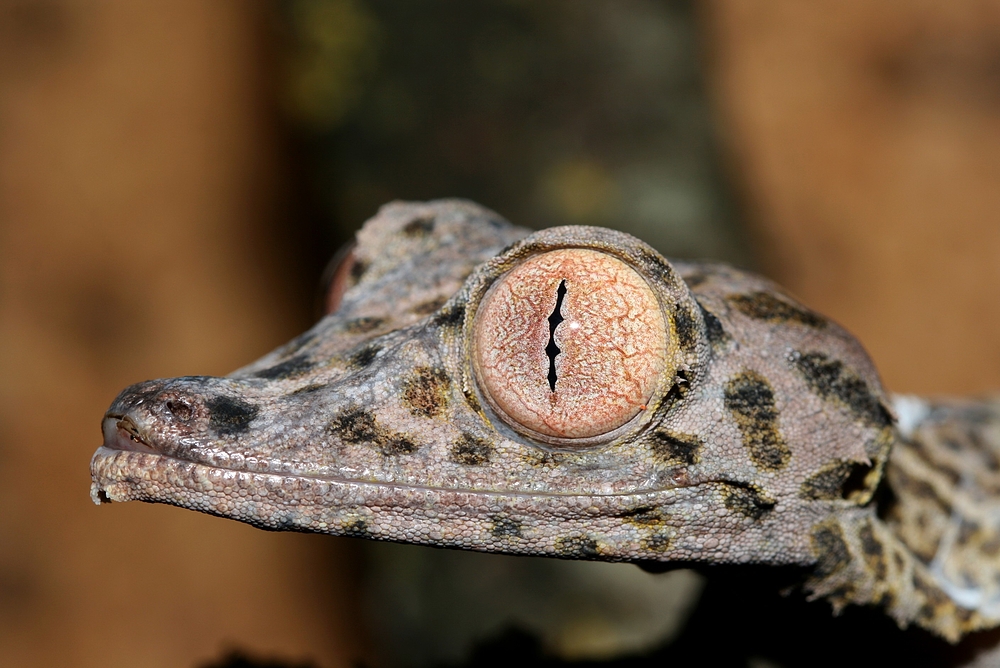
865, 138
146, 191
139, 202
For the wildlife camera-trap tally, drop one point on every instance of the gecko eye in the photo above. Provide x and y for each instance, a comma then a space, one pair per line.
337, 277
570, 344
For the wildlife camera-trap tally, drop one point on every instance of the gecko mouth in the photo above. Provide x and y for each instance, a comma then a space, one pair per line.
128, 458
511, 522
126, 469
122, 433
129, 470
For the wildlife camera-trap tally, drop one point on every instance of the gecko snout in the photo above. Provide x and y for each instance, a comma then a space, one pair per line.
176, 401
155, 414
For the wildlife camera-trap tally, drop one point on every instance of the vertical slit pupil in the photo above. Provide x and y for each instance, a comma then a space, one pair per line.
554, 320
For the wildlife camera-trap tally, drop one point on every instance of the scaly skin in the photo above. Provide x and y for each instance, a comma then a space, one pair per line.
765, 445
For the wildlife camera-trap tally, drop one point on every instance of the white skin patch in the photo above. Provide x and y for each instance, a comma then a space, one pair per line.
911, 411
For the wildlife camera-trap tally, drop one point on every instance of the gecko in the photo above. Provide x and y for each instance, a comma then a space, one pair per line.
571, 393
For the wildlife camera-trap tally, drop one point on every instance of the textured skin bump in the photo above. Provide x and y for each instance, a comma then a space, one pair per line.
612, 344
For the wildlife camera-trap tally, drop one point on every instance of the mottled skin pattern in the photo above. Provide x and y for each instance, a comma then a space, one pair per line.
770, 444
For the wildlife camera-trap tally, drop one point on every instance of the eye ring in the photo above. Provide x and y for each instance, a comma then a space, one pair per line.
570, 346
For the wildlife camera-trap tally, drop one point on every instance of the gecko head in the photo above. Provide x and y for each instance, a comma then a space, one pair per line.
472, 386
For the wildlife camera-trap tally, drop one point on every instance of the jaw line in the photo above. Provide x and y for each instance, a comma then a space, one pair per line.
389, 511
105, 453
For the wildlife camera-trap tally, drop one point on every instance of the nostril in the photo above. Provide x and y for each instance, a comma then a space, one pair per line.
180, 409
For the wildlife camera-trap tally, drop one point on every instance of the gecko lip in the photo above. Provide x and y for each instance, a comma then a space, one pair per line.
397, 512
125, 474
128, 465
122, 433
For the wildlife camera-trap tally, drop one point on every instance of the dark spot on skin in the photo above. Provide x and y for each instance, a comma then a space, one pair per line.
291, 367
951, 444
307, 389
767, 307
935, 600
644, 516
505, 527
419, 227
832, 553
686, 326
471, 451
903, 483
656, 263
675, 449
873, 551
398, 445
991, 547
472, 400
541, 459
967, 530
827, 482
658, 542
364, 357
451, 317
747, 500
357, 529
230, 416
991, 459
363, 325
428, 307
358, 270
355, 426
713, 327
750, 399
677, 391
425, 393
359, 426
834, 381
834, 481
577, 547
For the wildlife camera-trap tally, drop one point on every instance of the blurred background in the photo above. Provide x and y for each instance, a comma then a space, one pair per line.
174, 175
